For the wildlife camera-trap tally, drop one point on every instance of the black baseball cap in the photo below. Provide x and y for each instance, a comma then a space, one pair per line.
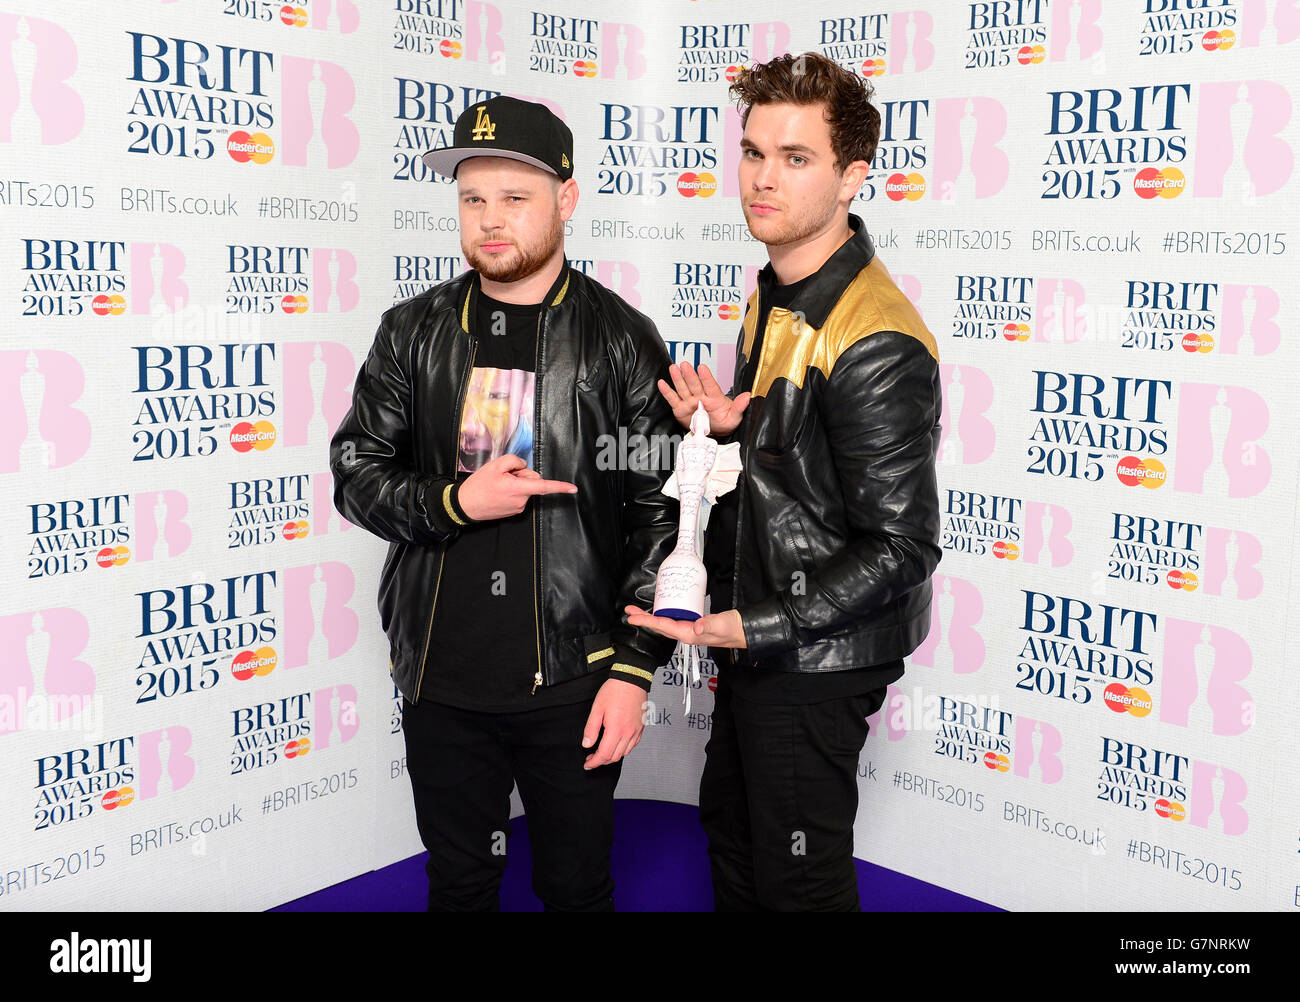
510, 128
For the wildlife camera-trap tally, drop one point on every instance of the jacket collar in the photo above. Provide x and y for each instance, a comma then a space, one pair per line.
469, 301
825, 286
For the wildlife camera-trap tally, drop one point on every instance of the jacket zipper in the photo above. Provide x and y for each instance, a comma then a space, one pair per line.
740, 500
442, 557
537, 453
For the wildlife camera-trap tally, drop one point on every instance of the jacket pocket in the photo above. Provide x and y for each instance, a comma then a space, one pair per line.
778, 444
594, 375
798, 541
595, 394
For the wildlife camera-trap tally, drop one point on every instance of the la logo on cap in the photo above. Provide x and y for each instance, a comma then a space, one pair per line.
484, 127
564, 160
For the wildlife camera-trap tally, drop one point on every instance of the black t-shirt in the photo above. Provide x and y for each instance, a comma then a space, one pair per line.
759, 684
483, 651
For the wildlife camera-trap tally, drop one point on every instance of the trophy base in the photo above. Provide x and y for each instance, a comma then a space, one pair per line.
683, 614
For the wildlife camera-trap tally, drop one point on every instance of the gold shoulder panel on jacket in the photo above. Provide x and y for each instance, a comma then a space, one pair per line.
878, 297
749, 324
871, 303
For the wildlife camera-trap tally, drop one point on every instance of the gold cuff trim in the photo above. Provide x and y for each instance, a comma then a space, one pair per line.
592, 658
639, 672
446, 503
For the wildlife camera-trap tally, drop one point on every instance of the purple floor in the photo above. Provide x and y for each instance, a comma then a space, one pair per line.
659, 864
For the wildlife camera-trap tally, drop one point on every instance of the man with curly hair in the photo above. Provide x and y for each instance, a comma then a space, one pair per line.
820, 562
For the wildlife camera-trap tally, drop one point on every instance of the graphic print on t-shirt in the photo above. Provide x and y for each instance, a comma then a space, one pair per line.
498, 417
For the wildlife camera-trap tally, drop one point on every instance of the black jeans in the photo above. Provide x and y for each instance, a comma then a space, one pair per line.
778, 798
463, 765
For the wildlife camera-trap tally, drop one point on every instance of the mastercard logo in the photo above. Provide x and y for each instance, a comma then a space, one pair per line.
108, 306
245, 436
1016, 332
873, 67
243, 147
905, 186
1147, 472
732, 73
1182, 581
294, 304
728, 311
451, 48
249, 663
112, 556
691, 184
1170, 809
584, 68
298, 748
1150, 182
1202, 343
294, 17
1123, 699
996, 762
1031, 55
295, 530
117, 798
1006, 551
1217, 41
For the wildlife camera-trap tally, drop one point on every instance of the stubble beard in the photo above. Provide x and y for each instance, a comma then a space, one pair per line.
520, 263
791, 229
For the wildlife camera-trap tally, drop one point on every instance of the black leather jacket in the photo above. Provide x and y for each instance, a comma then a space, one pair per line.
828, 545
394, 462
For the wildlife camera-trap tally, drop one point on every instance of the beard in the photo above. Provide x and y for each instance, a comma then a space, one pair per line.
520, 261
785, 228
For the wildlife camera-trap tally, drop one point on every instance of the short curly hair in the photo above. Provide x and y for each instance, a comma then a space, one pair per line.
813, 79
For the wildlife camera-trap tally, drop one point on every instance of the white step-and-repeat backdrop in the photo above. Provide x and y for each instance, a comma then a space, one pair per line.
206, 204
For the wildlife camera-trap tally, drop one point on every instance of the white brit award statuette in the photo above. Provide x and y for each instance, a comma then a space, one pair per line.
703, 472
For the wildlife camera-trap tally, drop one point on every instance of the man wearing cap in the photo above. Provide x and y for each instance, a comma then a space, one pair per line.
478, 446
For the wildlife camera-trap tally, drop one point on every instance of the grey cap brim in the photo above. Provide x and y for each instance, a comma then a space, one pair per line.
445, 161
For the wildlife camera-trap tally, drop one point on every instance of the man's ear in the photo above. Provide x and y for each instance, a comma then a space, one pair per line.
854, 175
568, 198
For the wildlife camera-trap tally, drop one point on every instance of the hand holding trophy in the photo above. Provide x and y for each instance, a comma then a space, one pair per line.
703, 472
682, 583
